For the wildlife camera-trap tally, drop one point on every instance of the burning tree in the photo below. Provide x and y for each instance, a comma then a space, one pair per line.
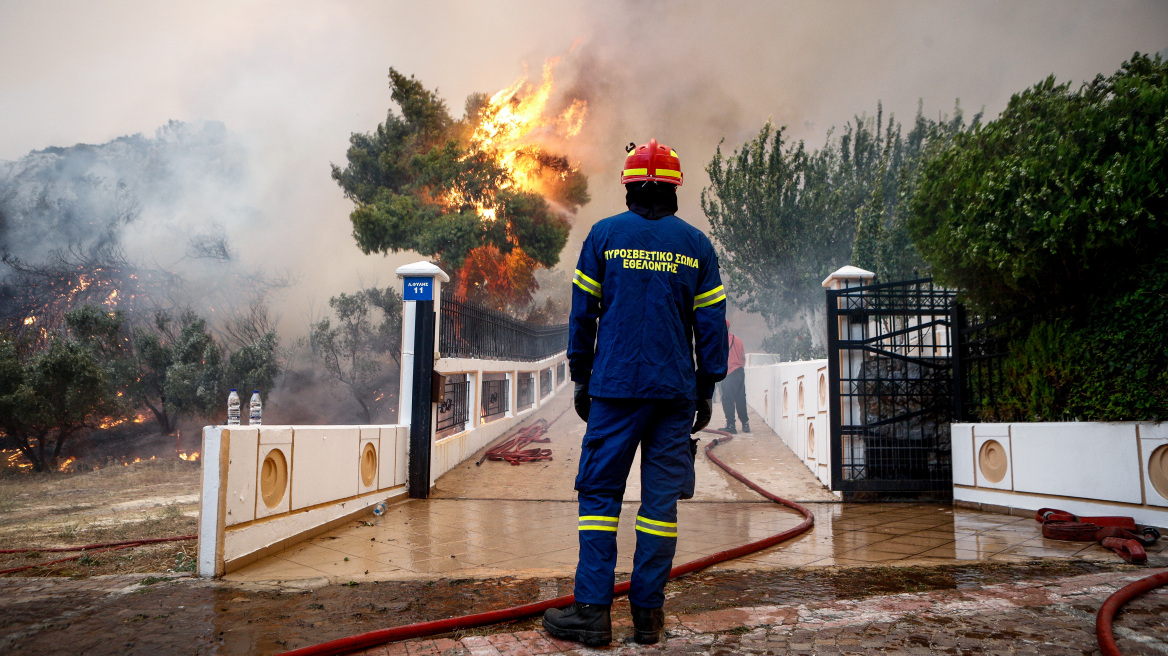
482, 195
54, 393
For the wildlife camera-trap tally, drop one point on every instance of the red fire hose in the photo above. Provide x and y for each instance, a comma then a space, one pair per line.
421, 629
1107, 611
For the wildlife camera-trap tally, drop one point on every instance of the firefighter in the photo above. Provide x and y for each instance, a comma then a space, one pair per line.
646, 299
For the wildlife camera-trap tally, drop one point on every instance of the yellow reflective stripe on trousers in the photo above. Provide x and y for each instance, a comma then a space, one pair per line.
709, 298
587, 284
654, 527
598, 523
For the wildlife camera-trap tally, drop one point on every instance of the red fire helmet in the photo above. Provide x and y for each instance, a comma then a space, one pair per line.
652, 161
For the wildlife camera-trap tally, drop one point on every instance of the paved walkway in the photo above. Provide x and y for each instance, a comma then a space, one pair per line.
498, 519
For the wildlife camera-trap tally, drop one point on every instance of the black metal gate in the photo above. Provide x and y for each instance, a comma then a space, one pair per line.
890, 368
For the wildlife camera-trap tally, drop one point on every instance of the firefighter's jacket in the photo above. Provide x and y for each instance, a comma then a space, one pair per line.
643, 289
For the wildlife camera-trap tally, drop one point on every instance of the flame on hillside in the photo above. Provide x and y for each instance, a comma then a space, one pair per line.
110, 422
189, 457
13, 459
46, 292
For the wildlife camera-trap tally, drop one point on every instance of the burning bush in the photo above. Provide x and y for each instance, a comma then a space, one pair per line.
53, 393
479, 194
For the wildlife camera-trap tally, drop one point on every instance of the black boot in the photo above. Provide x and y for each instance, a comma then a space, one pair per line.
590, 624
647, 624
745, 427
729, 428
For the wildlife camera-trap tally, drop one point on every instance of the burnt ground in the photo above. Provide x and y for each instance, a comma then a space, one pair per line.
176, 614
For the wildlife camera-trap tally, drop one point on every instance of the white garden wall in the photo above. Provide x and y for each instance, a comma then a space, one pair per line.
1086, 468
793, 399
266, 488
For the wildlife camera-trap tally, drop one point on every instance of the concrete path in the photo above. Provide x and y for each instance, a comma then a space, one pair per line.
760, 455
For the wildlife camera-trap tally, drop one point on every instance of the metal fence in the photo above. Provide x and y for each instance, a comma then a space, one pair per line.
525, 391
545, 382
469, 330
889, 361
452, 411
494, 402
978, 378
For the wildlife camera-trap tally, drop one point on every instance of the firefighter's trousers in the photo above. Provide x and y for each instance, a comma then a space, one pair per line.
615, 428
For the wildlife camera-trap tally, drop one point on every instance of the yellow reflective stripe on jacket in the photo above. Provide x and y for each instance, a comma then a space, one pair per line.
709, 298
654, 527
587, 284
598, 523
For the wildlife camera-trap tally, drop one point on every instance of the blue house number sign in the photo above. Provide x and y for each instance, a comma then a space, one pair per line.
418, 289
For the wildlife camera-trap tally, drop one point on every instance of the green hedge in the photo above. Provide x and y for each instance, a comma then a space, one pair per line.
1106, 363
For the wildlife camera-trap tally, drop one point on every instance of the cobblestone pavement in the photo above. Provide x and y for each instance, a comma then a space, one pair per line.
1046, 617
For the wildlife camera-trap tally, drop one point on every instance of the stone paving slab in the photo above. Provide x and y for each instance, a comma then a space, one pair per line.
1029, 617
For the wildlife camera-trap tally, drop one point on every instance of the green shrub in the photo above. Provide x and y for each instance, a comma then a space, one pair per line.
1106, 363
1065, 190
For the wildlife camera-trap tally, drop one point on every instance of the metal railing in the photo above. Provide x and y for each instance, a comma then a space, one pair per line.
978, 378
545, 382
469, 330
494, 402
452, 411
525, 391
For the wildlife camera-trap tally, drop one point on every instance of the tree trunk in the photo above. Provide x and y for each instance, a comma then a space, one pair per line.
29, 453
364, 410
815, 317
160, 416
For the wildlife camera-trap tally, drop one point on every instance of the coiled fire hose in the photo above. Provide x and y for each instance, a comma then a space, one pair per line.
87, 550
422, 629
1107, 611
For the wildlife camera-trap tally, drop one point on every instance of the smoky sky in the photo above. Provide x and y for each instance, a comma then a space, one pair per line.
293, 79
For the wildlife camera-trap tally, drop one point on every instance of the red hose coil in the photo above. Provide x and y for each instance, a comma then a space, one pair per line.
1103, 631
422, 629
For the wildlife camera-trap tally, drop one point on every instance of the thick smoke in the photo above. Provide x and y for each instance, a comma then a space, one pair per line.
290, 81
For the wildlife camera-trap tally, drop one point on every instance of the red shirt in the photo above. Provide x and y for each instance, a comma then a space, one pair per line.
737, 356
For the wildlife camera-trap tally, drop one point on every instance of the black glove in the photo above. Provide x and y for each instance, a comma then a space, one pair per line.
584, 402
702, 419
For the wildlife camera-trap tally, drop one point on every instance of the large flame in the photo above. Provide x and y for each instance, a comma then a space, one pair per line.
514, 125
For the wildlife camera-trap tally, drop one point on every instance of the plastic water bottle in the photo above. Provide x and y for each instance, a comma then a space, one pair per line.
233, 409
256, 414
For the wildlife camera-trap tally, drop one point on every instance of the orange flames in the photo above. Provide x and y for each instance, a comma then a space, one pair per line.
110, 422
13, 458
516, 120
189, 457
514, 129
67, 465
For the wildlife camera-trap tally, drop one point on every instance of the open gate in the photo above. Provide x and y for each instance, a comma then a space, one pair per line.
891, 379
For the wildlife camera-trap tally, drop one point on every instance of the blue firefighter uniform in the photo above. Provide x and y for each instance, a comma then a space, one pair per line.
647, 301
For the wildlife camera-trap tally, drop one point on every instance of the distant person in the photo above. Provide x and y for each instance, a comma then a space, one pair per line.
733, 387
647, 301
